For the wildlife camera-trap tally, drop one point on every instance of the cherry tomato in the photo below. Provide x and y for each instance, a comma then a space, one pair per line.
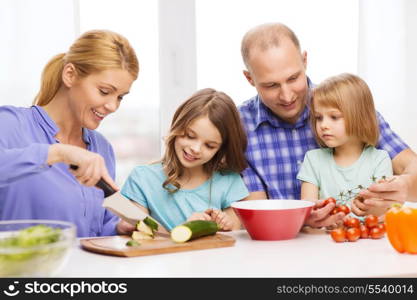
338, 235
364, 231
376, 233
345, 209
335, 210
329, 200
381, 226
351, 222
371, 221
353, 234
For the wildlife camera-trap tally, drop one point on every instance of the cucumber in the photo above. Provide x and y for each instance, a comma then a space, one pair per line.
132, 243
141, 226
140, 235
151, 223
193, 229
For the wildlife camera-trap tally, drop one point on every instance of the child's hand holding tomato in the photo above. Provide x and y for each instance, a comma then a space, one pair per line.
321, 215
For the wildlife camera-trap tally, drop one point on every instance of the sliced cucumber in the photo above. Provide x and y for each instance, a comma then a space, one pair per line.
141, 226
140, 235
151, 223
132, 243
193, 229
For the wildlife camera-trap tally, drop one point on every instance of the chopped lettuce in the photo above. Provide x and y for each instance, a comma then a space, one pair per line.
28, 251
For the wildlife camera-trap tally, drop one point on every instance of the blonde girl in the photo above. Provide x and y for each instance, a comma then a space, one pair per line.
198, 177
344, 122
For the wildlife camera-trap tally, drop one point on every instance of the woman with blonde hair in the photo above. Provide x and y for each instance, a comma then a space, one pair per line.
78, 90
344, 122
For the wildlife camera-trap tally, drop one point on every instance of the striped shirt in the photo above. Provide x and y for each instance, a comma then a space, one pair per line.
276, 148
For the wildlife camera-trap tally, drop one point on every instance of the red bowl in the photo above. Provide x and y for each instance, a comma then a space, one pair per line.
273, 220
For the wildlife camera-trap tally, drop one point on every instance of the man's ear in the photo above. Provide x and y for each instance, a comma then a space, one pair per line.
69, 75
304, 57
248, 77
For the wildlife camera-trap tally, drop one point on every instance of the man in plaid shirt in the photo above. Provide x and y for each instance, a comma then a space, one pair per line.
277, 120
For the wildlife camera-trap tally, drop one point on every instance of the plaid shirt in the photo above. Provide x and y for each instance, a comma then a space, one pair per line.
276, 148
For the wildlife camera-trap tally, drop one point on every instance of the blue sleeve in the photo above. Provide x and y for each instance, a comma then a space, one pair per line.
109, 224
308, 172
18, 160
237, 190
388, 139
133, 187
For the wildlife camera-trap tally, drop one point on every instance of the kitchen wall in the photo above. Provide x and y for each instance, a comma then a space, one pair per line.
375, 38
388, 61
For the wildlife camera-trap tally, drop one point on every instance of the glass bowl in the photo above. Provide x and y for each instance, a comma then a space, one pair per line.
34, 248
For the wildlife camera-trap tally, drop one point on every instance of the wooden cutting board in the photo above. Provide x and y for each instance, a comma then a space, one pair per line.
116, 245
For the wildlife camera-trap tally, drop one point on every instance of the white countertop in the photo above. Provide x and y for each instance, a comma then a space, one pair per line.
308, 255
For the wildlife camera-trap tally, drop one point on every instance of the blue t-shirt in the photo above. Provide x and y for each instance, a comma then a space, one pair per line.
144, 186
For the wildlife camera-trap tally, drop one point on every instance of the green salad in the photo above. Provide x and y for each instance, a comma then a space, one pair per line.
30, 251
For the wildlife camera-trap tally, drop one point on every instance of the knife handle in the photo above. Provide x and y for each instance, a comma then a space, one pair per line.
101, 184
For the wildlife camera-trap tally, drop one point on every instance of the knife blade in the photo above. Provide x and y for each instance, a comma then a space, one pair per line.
124, 208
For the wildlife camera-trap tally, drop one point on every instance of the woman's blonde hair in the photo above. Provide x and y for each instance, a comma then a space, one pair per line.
352, 96
222, 112
94, 51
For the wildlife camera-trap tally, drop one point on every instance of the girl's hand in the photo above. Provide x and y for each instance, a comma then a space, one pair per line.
370, 206
199, 216
358, 207
320, 216
125, 228
221, 218
91, 166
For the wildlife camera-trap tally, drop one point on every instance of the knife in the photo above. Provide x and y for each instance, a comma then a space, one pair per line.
124, 208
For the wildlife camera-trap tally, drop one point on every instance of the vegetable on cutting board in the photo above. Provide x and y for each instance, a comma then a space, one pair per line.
145, 231
193, 229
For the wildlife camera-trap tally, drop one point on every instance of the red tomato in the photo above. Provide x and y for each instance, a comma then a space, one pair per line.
335, 210
329, 200
352, 222
381, 226
371, 221
338, 235
353, 234
364, 231
376, 233
345, 209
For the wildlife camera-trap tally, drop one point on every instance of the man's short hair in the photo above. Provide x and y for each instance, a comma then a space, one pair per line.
266, 36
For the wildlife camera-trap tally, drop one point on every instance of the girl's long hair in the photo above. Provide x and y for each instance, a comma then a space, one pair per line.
94, 51
222, 112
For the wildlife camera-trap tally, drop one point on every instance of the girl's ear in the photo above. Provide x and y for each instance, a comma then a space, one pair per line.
69, 75
222, 162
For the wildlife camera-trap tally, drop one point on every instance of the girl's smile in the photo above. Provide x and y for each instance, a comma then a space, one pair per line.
198, 145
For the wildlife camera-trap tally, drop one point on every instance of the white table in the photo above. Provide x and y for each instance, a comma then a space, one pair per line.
308, 255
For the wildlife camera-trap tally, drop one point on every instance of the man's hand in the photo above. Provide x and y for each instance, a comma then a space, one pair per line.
395, 189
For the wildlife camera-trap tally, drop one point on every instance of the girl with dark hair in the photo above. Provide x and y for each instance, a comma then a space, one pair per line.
198, 176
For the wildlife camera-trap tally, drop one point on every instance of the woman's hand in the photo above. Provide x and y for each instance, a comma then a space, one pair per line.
125, 228
221, 218
91, 166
